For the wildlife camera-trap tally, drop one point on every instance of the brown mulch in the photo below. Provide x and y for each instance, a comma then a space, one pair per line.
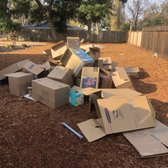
31, 135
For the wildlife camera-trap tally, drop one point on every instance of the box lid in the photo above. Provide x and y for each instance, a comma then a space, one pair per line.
49, 83
18, 74
106, 60
33, 68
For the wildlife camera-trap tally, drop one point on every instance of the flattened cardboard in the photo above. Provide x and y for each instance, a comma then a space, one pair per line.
62, 74
12, 68
90, 77
121, 79
91, 130
50, 92
133, 113
150, 142
58, 50
33, 68
75, 60
73, 43
18, 83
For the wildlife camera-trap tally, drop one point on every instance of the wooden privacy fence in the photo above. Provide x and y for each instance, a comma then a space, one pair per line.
156, 40
103, 37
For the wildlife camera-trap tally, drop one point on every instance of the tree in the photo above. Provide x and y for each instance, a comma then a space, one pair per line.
55, 12
135, 10
93, 11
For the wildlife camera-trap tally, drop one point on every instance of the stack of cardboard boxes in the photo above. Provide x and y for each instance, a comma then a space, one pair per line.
71, 74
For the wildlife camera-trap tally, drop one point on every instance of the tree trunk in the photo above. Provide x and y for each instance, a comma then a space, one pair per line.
89, 25
52, 27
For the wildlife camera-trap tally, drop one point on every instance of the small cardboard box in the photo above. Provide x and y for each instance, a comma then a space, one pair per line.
62, 74
121, 79
33, 68
58, 50
76, 98
90, 77
50, 92
75, 60
18, 83
73, 43
94, 52
12, 68
119, 115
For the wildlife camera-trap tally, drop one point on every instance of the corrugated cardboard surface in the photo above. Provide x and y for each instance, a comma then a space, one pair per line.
50, 92
133, 113
91, 130
18, 83
150, 142
12, 68
33, 68
90, 77
62, 74
126, 93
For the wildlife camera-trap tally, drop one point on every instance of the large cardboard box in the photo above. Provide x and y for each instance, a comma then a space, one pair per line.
119, 115
62, 74
121, 79
12, 68
18, 83
73, 43
75, 60
33, 68
90, 77
58, 50
50, 92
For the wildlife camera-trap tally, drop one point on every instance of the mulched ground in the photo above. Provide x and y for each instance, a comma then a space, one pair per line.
31, 135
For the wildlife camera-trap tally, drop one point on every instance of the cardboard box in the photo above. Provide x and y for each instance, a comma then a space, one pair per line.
58, 50
121, 79
119, 115
133, 72
76, 98
105, 81
12, 68
90, 77
33, 68
47, 66
18, 83
50, 92
73, 43
62, 74
75, 60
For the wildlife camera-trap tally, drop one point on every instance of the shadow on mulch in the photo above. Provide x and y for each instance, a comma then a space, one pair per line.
143, 74
143, 87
